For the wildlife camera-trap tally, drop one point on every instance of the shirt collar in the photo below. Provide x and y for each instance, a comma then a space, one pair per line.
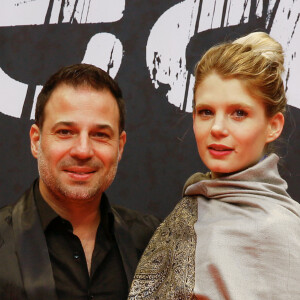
47, 214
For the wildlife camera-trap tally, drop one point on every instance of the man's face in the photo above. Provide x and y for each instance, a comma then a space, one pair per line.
79, 145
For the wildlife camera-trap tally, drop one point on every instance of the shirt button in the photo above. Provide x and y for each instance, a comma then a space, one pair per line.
76, 255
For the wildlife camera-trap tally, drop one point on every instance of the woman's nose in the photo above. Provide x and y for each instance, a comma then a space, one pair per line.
219, 127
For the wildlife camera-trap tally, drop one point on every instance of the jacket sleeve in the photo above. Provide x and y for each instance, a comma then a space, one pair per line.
11, 283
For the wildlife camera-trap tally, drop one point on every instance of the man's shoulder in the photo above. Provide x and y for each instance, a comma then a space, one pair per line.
5, 215
6, 211
135, 218
141, 226
6, 228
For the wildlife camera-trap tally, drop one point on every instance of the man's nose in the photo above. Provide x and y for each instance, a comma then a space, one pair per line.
82, 147
219, 127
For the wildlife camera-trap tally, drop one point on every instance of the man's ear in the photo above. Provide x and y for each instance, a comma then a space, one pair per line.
122, 142
34, 139
275, 127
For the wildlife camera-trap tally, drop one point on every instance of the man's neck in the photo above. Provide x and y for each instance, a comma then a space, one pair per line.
79, 212
84, 215
80, 215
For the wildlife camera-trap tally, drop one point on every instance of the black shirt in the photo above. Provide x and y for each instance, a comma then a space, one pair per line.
107, 279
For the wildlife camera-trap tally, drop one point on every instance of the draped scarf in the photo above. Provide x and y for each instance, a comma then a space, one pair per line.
234, 237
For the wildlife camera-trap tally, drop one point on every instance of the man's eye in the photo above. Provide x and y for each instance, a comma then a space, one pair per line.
101, 135
64, 132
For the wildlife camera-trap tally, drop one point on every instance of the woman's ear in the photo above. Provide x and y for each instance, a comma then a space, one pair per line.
275, 127
34, 139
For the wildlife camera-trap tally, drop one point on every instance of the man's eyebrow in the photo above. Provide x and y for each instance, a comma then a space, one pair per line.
64, 123
103, 126
74, 124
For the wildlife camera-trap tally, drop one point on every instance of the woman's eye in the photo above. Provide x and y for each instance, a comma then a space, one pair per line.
204, 112
239, 113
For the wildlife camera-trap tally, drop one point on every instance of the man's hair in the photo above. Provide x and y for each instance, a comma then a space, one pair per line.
79, 75
257, 60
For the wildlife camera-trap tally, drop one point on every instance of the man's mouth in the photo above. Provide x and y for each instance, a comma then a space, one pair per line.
80, 173
80, 170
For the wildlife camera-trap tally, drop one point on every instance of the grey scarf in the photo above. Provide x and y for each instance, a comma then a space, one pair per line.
235, 237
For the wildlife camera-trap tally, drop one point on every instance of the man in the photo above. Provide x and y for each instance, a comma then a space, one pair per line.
62, 239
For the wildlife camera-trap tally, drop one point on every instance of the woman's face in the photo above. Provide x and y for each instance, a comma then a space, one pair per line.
230, 126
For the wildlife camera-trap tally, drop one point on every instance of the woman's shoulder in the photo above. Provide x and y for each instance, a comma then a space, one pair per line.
195, 178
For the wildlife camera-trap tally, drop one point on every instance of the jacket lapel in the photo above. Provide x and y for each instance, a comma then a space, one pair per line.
32, 251
126, 247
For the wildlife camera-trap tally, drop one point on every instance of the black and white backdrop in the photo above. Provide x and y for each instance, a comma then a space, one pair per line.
150, 47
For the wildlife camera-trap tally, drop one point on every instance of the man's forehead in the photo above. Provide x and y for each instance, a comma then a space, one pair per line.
64, 90
76, 104
65, 85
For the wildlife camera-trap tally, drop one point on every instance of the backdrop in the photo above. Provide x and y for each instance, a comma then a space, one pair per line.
150, 48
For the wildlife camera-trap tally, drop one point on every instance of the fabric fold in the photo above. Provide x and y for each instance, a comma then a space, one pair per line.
234, 237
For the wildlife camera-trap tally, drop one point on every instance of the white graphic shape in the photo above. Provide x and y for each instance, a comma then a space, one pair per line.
92, 11
37, 91
166, 45
170, 35
16, 12
237, 11
33, 12
286, 30
105, 51
13, 94
169, 38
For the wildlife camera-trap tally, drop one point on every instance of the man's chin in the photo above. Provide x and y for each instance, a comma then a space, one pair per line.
80, 193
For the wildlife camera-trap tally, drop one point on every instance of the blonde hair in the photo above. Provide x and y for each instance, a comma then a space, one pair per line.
257, 60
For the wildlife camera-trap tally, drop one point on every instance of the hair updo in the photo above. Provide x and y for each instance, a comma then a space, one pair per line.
257, 60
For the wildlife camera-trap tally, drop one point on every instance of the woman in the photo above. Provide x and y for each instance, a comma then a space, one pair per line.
236, 232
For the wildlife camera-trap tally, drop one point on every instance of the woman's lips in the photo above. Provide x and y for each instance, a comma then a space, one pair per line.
219, 150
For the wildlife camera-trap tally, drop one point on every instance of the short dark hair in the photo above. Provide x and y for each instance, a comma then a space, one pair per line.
80, 75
